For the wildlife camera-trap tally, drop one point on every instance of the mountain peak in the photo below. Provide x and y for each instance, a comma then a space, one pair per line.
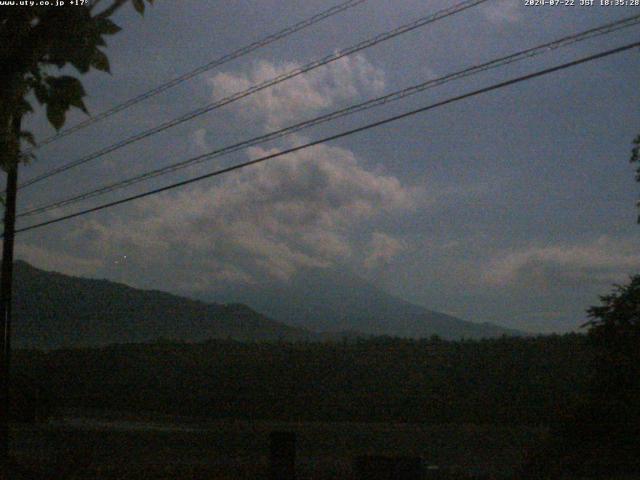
328, 299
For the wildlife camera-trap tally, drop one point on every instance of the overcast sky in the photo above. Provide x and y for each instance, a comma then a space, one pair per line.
516, 207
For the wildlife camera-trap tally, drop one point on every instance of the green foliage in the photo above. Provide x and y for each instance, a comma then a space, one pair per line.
37, 40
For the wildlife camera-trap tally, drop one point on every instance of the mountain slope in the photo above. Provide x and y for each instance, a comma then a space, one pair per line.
332, 300
54, 310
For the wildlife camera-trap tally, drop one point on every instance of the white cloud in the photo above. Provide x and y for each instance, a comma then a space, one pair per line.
292, 100
260, 223
602, 261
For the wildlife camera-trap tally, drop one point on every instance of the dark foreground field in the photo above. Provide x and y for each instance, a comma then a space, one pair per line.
468, 409
226, 449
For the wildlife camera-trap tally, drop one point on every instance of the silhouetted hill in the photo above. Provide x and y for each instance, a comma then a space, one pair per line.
328, 300
55, 310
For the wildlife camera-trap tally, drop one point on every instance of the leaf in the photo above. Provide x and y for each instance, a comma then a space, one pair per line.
41, 92
101, 61
139, 6
82, 60
67, 90
56, 115
79, 103
107, 27
63, 93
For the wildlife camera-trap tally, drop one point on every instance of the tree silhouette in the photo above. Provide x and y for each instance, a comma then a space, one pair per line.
36, 43
615, 334
611, 417
599, 436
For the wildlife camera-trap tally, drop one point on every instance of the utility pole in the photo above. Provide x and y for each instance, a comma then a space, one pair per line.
6, 283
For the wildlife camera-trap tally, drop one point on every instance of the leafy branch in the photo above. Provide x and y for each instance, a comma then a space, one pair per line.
35, 44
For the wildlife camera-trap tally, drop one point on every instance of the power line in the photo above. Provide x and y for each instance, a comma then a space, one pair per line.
259, 87
336, 136
204, 68
521, 55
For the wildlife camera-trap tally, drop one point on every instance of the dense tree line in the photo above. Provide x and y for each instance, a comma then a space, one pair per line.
507, 381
